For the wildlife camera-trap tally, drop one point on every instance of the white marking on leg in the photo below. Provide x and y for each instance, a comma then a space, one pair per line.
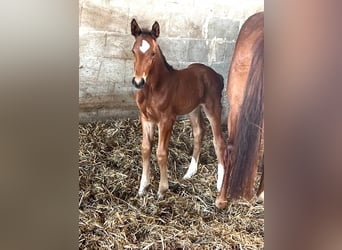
261, 197
143, 184
144, 46
220, 173
160, 196
192, 169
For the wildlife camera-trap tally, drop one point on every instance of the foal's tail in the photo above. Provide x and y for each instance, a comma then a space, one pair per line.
248, 129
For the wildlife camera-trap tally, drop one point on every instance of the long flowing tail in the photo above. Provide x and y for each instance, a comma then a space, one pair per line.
248, 129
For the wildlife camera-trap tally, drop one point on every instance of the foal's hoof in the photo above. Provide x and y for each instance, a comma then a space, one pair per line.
142, 191
191, 170
187, 176
221, 204
143, 187
190, 173
261, 198
160, 196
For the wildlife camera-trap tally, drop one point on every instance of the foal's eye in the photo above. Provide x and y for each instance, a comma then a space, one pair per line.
153, 54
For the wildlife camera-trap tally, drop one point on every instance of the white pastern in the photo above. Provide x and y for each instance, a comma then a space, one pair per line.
143, 184
261, 197
192, 169
144, 46
220, 173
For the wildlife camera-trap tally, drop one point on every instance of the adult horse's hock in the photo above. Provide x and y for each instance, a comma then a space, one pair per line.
245, 121
163, 94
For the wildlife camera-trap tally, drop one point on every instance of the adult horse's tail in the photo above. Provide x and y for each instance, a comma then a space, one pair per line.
249, 127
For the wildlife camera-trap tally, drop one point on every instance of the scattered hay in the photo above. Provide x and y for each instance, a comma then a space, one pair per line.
112, 216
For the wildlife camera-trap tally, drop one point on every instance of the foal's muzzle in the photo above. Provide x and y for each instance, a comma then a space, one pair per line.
140, 84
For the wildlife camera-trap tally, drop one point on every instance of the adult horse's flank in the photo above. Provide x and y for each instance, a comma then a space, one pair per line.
165, 93
245, 121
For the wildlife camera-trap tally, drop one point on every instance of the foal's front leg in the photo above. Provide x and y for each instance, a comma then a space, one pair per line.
164, 129
146, 148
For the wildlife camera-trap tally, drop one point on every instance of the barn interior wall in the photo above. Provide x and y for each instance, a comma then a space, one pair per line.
190, 31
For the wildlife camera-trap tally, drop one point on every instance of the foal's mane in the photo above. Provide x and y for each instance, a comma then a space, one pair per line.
168, 66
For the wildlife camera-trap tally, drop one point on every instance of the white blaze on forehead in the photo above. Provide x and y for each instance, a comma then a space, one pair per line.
144, 46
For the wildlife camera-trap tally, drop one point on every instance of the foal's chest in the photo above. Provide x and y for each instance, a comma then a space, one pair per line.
146, 106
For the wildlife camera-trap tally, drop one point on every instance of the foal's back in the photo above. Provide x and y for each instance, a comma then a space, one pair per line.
195, 85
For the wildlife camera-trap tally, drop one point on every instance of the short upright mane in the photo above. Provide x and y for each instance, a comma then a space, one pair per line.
168, 66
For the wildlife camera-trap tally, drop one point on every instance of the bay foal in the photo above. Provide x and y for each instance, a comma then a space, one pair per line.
163, 94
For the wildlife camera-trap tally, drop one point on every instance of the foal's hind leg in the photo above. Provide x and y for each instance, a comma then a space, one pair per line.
221, 200
197, 123
260, 193
213, 111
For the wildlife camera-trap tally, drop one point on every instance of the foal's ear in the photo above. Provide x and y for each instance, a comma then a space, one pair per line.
135, 29
155, 30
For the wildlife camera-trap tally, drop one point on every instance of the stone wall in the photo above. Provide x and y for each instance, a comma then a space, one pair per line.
190, 31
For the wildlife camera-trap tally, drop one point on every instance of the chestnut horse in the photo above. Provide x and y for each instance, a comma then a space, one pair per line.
164, 93
245, 121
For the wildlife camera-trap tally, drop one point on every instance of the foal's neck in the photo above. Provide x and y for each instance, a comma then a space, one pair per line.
160, 68
162, 63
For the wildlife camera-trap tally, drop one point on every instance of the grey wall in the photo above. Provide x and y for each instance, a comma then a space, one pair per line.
190, 31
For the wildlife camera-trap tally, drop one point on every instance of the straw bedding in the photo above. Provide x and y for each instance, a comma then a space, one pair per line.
112, 216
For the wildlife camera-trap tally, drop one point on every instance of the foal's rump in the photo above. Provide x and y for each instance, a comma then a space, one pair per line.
208, 76
211, 81
194, 86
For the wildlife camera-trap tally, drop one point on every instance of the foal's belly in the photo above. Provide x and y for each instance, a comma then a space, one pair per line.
154, 114
179, 100
186, 109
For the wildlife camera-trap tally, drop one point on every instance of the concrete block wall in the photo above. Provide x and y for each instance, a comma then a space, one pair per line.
190, 31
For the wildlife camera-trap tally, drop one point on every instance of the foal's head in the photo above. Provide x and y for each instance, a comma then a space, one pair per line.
144, 50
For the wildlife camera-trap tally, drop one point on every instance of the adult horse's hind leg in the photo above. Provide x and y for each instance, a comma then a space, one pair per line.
197, 123
213, 112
